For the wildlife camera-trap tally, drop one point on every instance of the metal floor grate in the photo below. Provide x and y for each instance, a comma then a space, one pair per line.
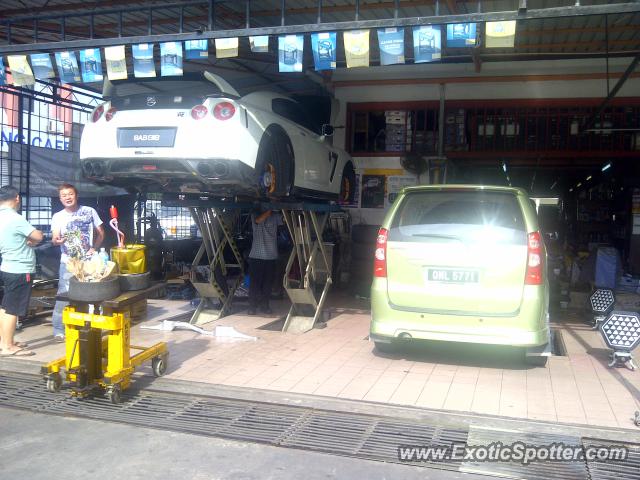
364, 436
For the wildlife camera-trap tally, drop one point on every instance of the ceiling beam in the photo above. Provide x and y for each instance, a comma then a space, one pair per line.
556, 12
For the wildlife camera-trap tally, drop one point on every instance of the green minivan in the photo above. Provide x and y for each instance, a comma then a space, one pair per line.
461, 263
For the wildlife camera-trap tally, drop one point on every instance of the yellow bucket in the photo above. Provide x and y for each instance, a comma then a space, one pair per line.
130, 258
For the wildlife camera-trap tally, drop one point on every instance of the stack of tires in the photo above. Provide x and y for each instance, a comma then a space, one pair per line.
363, 246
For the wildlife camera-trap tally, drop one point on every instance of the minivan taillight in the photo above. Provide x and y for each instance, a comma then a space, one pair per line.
534, 260
380, 261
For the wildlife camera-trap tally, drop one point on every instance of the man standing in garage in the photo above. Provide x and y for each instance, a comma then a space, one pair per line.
84, 225
17, 237
263, 259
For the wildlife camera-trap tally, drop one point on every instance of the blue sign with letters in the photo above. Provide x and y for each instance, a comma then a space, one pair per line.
91, 65
324, 46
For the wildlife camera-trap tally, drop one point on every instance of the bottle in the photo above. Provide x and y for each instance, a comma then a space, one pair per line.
104, 255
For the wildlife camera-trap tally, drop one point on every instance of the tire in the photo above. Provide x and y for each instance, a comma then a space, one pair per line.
536, 360
348, 184
365, 234
134, 281
275, 165
54, 383
386, 347
114, 394
159, 366
93, 291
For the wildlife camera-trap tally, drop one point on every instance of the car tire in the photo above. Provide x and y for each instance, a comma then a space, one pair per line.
383, 347
134, 281
536, 360
275, 165
348, 184
93, 291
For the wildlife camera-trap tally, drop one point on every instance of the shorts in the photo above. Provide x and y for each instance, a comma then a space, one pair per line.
17, 293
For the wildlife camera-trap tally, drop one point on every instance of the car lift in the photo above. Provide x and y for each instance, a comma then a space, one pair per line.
305, 222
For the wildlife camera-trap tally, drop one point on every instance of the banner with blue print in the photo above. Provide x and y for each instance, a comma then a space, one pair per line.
324, 46
290, 50
461, 35
391, 44
196, 49
170, 59
259, 44
91, 65
3, 74
42, 66
68, 69
143, 64
427, 43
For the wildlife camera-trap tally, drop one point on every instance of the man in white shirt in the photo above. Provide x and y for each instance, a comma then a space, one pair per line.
79, 232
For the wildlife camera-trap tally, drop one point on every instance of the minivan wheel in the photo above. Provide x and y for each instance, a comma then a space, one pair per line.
536, 360
386, 347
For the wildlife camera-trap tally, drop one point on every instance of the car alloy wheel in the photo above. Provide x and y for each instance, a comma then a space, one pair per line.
269, 178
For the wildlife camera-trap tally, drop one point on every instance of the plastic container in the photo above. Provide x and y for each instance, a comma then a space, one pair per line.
130, 258
104, 255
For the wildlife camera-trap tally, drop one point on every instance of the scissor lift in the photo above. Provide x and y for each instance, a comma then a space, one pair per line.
305, 222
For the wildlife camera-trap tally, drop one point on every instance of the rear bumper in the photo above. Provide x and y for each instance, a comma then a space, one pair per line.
527, 328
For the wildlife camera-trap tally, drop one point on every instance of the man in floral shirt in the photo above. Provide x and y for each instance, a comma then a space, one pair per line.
79, 232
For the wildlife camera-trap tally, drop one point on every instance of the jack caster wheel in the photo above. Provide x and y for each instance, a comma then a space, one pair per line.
159, 366
54, 383
114, 394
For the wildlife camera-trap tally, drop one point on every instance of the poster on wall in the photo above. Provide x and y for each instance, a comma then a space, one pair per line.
395, 183
42, 66
324, 47
356, 48
391, 43
91, 65
196, 49
116, 63
170, 59
68, 69
143, 64
290, 50
373, 191
500, 34
20, 71
356, 195
259, 44
427, 44
461, 35
226, 47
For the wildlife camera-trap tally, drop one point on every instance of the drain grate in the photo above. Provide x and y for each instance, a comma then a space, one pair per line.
364, 436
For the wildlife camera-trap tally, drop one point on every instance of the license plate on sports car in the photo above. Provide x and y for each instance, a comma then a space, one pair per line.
146, 137
452, 275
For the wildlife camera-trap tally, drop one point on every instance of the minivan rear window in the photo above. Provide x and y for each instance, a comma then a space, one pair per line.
476, 216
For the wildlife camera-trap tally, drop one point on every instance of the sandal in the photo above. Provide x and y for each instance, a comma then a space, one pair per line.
20, 344
21, 352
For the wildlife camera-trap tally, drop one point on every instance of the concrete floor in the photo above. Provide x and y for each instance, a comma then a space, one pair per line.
339, 361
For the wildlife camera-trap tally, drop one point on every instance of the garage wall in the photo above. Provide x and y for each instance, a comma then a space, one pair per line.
544, 79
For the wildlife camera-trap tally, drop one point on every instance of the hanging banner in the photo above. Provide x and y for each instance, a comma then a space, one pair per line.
68, 69
391, 44
290, 50
196, 49
500, 34
143, 63
259, 44
427, 43
461, 35
356, 48
226, 47
170, 59
42, 66
20, 71
324, 47
3, 74
91, 65
116, 63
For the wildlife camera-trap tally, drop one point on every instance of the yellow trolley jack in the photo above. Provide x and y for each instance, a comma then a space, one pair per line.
97, 355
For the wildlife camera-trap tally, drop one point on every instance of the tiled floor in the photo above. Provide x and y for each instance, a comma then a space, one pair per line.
339, 361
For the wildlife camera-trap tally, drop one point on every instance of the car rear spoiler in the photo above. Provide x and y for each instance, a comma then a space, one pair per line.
222, 84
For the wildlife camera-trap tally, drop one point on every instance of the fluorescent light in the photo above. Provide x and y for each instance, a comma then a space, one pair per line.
606, 167
588, 178
571, 189
579, 185
504, 167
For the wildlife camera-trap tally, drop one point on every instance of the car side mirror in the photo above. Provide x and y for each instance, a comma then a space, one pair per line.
327, 130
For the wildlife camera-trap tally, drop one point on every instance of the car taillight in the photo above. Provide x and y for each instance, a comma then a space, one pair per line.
224, 110
380, 261
534, 260
110, 113
199, 111
97, 113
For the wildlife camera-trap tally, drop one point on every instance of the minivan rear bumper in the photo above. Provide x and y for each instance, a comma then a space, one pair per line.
527, 328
